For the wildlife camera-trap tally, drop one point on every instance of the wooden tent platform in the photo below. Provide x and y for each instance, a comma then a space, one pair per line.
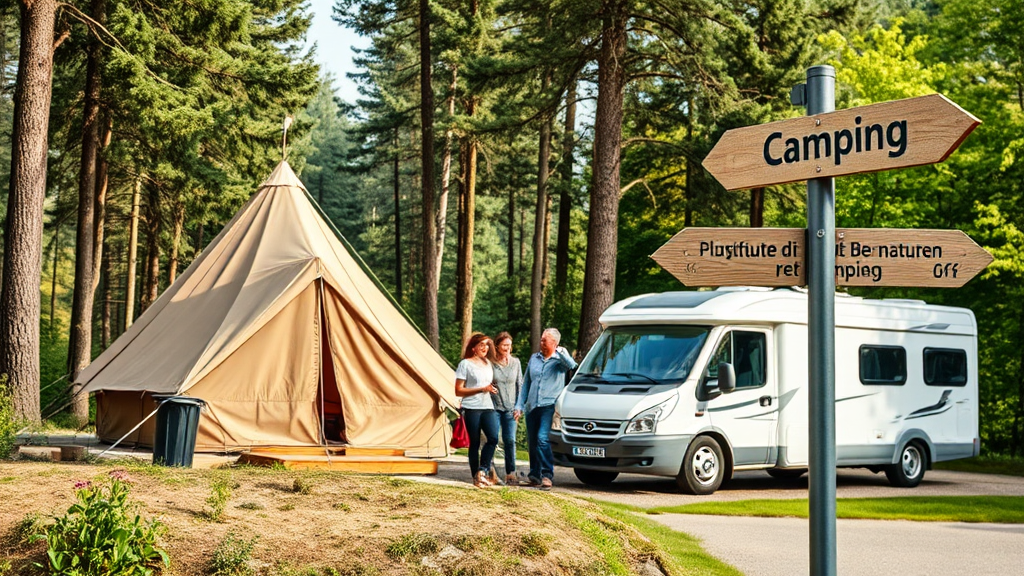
346, 459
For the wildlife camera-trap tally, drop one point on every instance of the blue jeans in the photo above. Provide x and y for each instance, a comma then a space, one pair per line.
508, 440
477, 420
538, 425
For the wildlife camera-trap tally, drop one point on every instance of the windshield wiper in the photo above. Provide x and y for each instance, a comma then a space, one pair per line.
593, 377
635, 375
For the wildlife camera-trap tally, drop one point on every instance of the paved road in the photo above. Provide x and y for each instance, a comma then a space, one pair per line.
647, 491
779, 546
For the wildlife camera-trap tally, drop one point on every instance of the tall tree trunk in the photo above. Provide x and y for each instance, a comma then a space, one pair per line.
466, 320
53, 274
565, 196
539, 241
133, 253
511, 267
446, 174
522, 247
102, 182
602, 229
757, 207
152, 268
398, 221
429, 252
108, 269
80, 341
179, 223
23, 233
460, 235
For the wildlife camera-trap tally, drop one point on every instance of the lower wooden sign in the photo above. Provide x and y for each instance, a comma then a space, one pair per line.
864, 257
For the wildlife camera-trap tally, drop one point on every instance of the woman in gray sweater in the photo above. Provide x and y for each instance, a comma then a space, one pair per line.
508, 379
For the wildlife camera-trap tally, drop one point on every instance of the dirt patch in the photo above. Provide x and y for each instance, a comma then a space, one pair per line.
330, 523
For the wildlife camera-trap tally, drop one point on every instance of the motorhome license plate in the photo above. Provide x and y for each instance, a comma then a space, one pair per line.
588, 451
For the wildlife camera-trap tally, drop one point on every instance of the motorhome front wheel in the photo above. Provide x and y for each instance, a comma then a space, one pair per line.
701, 472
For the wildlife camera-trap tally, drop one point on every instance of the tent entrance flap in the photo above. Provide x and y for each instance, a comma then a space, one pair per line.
329, 397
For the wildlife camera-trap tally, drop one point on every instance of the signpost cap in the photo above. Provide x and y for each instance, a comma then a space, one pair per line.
821, 70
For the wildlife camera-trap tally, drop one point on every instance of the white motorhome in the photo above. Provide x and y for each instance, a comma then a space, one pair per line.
696, 385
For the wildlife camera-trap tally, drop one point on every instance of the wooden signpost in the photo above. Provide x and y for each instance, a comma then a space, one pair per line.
816, 148
864, 257
897, 134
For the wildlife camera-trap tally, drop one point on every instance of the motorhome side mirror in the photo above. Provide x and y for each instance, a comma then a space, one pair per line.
726, 378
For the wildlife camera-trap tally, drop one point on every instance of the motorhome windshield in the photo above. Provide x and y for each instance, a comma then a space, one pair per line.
656, 354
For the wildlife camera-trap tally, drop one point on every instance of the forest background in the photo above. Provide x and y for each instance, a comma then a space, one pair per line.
510, 165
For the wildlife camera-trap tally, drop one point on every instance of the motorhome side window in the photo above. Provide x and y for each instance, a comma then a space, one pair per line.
883, 365
746, 352
945, 367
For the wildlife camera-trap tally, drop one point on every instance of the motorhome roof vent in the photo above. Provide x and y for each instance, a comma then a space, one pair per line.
904, 301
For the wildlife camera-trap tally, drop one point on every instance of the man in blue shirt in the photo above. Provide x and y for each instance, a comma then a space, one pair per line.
543, 381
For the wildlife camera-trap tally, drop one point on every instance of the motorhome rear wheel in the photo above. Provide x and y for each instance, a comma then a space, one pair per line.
908, 471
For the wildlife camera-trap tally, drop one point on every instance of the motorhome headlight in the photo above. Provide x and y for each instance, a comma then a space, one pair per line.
556, 421
647, 421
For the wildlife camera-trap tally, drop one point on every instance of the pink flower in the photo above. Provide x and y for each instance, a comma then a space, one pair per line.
120, 475
82, 484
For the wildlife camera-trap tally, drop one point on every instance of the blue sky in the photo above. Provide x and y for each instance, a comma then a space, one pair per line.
334, 45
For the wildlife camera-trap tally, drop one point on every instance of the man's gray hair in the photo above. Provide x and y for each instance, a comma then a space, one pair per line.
555, 333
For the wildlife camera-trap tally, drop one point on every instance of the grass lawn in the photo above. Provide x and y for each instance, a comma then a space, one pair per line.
986, 464
998, 509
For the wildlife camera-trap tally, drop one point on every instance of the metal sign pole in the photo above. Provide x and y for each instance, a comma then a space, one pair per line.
821, 334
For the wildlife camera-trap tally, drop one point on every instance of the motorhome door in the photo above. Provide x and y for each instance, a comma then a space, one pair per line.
748, 415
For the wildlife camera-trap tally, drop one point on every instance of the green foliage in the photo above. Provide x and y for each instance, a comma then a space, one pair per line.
9, 425
220, 492
233, 556
102, 534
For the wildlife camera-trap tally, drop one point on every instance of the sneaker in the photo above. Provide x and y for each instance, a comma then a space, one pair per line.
511, 480
531, 481
546, 484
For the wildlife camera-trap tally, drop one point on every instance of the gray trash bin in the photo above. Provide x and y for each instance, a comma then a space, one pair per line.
177, 421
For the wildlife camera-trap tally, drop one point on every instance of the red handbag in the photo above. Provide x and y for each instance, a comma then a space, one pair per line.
460, 437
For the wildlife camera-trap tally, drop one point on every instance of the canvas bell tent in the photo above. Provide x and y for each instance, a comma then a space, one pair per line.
287, 340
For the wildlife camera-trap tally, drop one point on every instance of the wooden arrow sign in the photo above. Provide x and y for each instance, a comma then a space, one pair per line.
896, 134
864, 257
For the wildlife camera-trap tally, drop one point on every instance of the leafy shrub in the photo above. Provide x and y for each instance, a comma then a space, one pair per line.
101, 534
8, 423
233, 556
220, 492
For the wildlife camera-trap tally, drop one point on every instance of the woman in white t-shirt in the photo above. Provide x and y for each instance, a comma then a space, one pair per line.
474, 383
